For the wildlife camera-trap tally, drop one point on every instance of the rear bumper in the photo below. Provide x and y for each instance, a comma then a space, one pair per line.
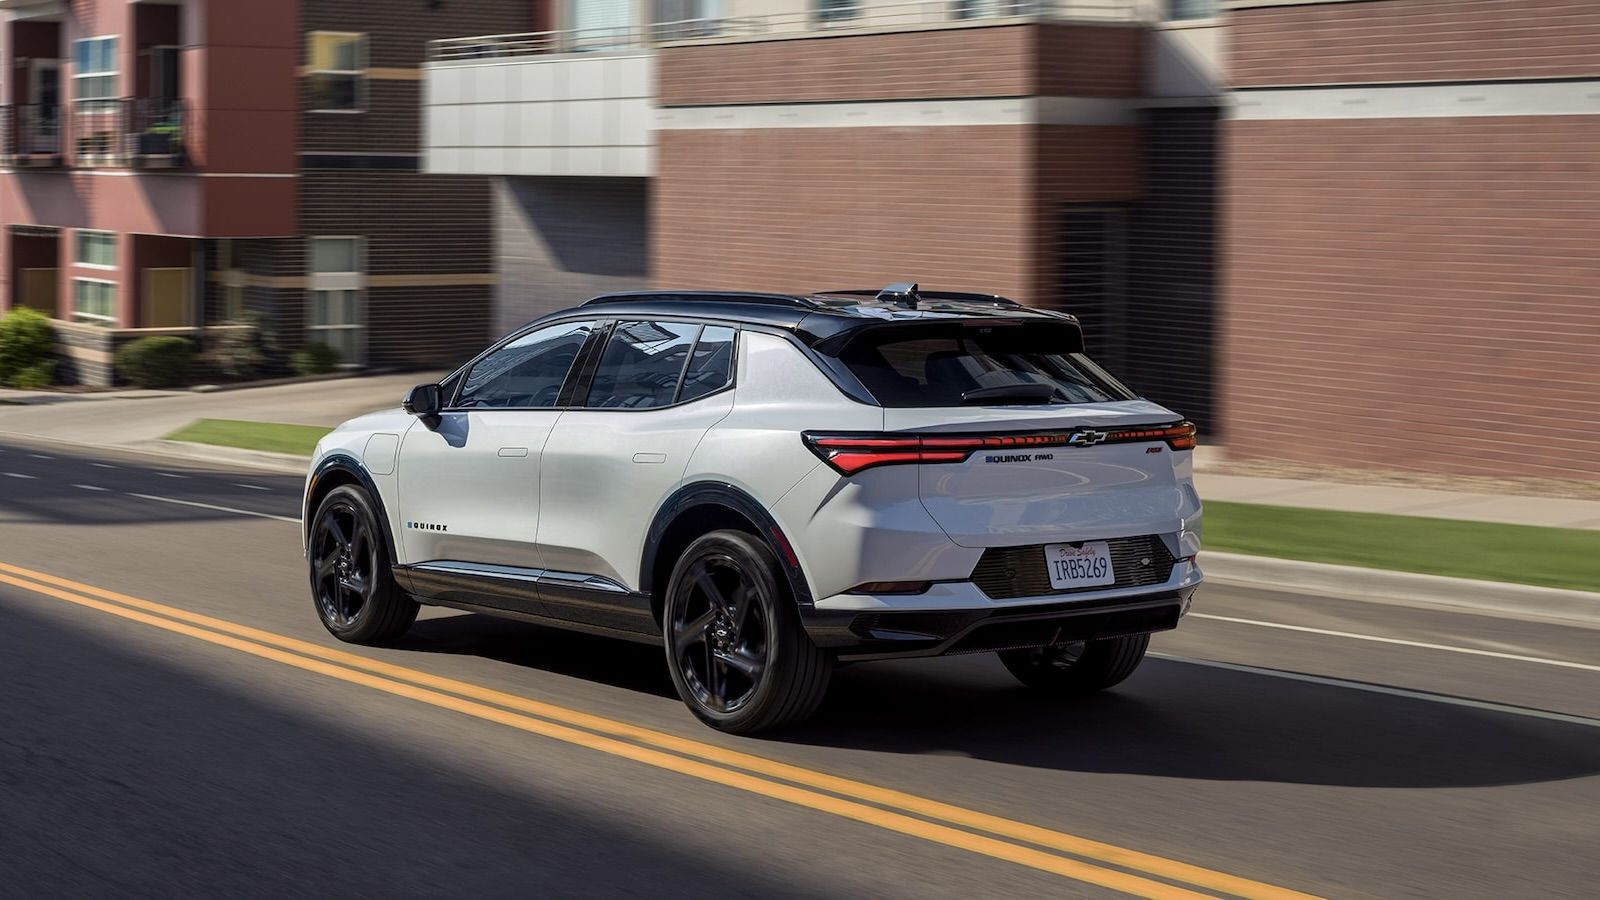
855, 634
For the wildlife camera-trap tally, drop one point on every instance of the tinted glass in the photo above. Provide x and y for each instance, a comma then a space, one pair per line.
992, 366
711, 366
641, 365
528, 372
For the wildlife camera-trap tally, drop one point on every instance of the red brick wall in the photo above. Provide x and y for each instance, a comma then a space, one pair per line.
1089, 61
956, 62
806, 209
1413, 40
1415, 294
999, 61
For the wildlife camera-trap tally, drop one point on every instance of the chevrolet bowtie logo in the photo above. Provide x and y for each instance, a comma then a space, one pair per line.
1086, 438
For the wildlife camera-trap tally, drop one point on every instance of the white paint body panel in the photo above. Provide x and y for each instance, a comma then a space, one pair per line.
604, 474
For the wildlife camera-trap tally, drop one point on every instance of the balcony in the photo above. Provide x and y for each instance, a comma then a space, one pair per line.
137, 132
804, 19
30, 135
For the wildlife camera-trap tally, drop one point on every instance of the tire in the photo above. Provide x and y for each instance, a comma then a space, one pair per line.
738, 655
352, 585
1081, 667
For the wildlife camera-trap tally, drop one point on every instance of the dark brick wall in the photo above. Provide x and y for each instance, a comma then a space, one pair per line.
564, 240
1171, 343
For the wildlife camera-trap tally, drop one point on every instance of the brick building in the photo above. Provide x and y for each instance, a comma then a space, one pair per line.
1059, 152
1413, 217
170, 166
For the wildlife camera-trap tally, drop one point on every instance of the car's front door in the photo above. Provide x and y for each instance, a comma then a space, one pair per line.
469, 484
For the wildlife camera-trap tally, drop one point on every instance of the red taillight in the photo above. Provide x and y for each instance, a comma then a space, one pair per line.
852, 453
1178, 437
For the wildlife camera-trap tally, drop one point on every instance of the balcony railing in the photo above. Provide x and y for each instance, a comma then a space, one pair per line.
147, 132
817, 17
30, 134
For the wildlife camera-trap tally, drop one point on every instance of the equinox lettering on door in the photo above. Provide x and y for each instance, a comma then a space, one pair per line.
424, 526
1017, 457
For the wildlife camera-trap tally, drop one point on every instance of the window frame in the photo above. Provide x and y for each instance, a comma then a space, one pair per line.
78, 234
575, 390
580, 395
95, 319
580, 364
115, 72
328, 282
360, 75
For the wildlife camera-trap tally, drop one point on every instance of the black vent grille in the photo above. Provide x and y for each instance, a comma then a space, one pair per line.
1007, 572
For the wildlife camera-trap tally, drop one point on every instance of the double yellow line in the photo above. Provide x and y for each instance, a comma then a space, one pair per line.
1055, 852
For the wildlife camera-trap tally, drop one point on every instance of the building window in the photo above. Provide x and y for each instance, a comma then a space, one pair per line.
836, 10
97, 249
336, 291
232, 283
94, 72
94, 301
338, 71
1192, 9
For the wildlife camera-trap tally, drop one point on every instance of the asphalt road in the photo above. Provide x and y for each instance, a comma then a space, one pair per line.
175, 723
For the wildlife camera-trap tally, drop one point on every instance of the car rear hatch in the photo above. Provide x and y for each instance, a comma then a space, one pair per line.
1018, 437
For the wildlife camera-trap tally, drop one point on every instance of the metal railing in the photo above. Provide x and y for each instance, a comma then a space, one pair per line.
30, 131
820, 16
137, 130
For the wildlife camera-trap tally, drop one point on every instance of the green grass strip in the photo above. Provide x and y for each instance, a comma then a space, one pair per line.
271, 437
1552, 557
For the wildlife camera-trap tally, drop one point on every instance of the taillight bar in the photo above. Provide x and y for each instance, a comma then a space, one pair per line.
852, 453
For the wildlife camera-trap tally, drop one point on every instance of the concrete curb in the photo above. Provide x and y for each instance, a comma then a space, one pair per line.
1520, 601
287, 463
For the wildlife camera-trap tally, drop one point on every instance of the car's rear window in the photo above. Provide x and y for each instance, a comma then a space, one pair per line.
964, 366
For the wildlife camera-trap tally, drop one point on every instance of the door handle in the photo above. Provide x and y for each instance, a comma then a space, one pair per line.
513, 451
649, 457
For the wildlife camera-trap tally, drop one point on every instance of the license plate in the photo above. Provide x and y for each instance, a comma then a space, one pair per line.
1088, 565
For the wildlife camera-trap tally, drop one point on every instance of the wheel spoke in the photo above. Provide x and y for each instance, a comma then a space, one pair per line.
693, 632
740, 611
335, 530
714, 685
714, 594
749, 664
324, 567
358, 542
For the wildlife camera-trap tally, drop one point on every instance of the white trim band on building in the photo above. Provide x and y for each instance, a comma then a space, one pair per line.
1421, 101
987, 111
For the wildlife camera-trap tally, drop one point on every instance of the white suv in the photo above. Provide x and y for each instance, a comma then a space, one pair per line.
766, 484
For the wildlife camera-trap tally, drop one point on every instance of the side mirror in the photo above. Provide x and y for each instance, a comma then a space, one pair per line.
423, 401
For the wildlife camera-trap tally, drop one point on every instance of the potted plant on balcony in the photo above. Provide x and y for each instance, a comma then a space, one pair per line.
162, 138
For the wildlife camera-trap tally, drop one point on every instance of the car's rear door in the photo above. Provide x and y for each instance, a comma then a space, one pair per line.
656, 388
469, 483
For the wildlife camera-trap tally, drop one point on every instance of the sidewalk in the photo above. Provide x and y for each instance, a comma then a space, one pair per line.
139, 419
136, 419
1399, 501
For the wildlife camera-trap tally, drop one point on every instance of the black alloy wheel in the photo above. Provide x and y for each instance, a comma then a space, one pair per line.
720, 634
351, 583
738, 654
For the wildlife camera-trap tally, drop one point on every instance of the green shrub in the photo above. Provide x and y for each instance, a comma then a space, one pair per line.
36, 376
156, 362
314, 359
25, 347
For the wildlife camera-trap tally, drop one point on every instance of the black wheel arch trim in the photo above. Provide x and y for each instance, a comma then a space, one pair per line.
717, 493
346, 463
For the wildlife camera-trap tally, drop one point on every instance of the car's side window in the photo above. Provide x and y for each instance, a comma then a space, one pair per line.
642, 365
711, 364
528, 372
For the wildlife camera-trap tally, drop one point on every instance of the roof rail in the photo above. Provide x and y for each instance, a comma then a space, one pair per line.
703, 296
902, 292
